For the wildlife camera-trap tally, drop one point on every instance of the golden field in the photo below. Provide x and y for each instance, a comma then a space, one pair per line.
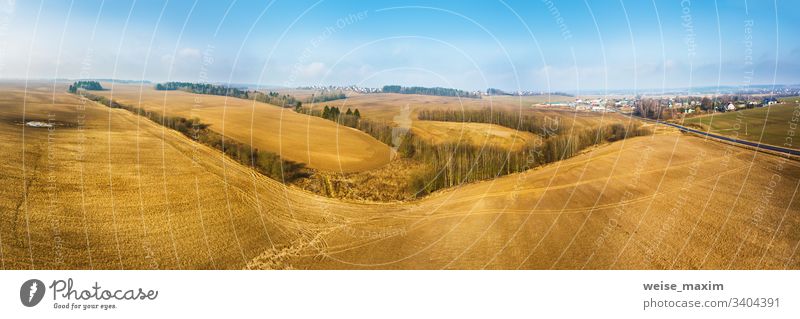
395, 107
403, 109
120, 192
303, 94
391, 106
768, 125
318, 143
472, 133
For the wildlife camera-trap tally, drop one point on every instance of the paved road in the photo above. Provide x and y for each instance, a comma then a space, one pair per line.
726, 138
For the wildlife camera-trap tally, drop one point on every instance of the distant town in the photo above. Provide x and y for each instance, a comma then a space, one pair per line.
665, 106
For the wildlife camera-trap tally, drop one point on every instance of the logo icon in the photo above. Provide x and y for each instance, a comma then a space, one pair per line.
31, 292
403, 121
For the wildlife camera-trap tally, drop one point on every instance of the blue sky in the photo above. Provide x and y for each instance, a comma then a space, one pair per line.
528, 45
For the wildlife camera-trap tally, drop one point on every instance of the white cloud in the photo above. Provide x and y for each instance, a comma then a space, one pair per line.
312, 70
189, 53
166, 59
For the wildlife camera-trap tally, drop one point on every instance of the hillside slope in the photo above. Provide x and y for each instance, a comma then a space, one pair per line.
121, 192
319, 143
768, 125
662, 202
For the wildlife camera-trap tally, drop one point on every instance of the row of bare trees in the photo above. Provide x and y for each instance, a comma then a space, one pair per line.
539, 125
265, 162
452, 164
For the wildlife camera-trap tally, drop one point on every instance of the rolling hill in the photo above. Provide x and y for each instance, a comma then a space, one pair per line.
768, 125
106, 189
306, 139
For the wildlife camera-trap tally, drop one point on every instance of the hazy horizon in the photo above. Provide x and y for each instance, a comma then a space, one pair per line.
531, 46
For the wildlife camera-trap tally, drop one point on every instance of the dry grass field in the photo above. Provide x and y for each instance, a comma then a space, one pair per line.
319, 143
472, 133
768, 125
392, 107
402, 110
303, 94
120, 192
667, 201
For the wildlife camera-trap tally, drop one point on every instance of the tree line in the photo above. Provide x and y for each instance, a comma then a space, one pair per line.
533, 124
326, 96
662, 109
200, 88
449, 164
86, 85
437, 91
274, 98
452, 164
494, 91
265, 162
349, 118
653, 109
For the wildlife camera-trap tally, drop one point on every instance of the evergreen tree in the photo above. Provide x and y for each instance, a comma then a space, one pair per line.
438, 91
86, 85
204, 88
326, 112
